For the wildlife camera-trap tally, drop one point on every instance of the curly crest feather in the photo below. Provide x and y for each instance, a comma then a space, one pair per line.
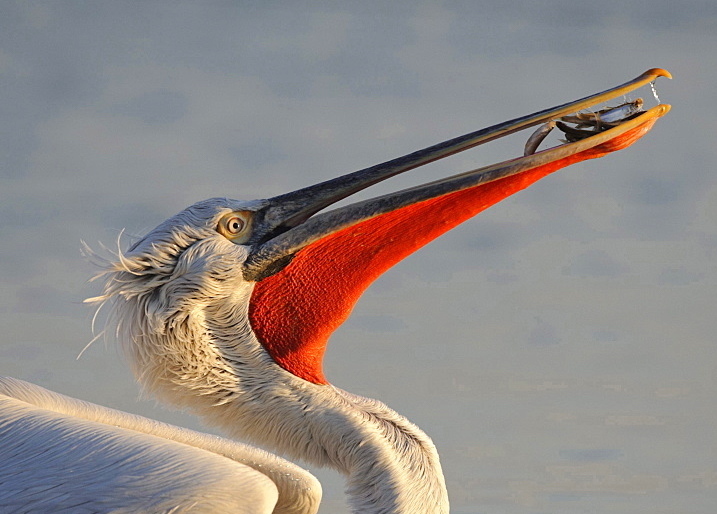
179, 305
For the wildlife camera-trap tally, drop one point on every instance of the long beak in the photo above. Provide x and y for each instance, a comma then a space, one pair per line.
288, 223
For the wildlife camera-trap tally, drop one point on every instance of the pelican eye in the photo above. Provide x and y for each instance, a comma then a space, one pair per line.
235, 226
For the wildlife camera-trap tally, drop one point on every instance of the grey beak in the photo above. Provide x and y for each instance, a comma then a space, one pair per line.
289, 222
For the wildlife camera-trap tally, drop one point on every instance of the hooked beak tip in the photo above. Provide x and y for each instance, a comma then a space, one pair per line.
658, 72
290, 224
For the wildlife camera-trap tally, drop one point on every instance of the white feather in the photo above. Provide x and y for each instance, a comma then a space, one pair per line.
181, 306
59, 454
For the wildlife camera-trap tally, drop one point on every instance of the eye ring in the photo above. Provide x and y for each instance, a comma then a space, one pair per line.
235, 226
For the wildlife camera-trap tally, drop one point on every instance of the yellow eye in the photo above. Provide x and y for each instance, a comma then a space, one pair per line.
235, 226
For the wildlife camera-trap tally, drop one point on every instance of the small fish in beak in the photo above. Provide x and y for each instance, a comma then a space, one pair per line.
586, 124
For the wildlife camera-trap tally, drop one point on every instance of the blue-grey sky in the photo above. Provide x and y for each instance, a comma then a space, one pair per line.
559, 348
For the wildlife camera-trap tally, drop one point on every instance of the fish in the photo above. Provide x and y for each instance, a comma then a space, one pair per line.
531, 145
610, 115
590, 123
584, 124
573, 134
621, 112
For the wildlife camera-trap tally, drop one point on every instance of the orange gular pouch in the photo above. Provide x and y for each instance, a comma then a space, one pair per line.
294, 312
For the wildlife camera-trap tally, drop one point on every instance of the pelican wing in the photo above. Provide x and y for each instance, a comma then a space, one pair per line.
59, 454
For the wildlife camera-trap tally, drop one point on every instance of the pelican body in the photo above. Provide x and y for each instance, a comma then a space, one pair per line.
226, 308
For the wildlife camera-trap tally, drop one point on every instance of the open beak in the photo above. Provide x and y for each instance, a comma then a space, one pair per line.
289, 222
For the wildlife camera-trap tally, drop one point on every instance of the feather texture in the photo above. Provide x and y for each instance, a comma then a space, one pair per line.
60, 454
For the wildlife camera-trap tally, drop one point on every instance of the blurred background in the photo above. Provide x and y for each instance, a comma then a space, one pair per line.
559, 348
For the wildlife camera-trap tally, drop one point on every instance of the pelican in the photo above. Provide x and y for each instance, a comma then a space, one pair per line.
225, 310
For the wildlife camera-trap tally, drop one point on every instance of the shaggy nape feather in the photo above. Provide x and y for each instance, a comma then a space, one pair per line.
180, 307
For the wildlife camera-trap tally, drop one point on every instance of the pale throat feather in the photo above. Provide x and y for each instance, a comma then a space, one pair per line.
227, 307
194, 348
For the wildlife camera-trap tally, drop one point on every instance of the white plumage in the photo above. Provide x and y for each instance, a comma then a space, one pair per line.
181, 312
59, 454
212, 308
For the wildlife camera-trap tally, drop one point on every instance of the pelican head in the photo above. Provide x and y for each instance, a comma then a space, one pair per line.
226, 308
